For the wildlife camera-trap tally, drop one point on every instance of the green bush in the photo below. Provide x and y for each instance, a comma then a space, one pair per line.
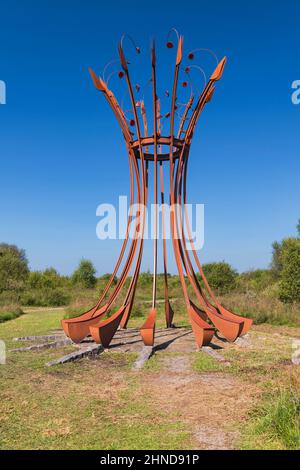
46, 297
10, 312
85, 275
262, 309
137, 311
145, 279
257, 280
221, 276
289, 290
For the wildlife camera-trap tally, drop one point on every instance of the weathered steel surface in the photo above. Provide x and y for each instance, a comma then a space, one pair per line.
208, 314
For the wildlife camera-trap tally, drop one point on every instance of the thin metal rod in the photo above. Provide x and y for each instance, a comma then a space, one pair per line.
154, 98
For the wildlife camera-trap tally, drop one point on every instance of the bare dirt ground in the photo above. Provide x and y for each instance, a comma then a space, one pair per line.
212, 404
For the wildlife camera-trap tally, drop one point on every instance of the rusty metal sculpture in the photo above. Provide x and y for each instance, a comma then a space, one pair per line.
209, 315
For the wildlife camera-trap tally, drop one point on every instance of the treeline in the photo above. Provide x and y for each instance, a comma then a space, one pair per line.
20, 286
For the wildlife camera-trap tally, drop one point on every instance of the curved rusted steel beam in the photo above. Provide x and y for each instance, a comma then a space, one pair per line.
149, 324
124, 313
104, 331
225, 321
133, 284
80, 326
247, 322
202, 330
95, 311
207, 93
154, 99
169, 313
204, 98
184, 116
231, 329
230, 326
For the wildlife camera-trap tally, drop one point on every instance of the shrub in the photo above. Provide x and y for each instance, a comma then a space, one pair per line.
45, 297
289, 290
257, 280
221, 276
262, 309
145, 279
85, 275
137, 311
10, 312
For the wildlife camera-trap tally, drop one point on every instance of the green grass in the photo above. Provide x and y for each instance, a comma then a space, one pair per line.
101, 403
275, 423
92, 404
204, 363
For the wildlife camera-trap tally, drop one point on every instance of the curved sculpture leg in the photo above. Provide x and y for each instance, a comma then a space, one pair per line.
230, 329
148, 328
125, 318
103, 331
203, 332
247, 322
230, 326
77, 330
169, 313
85, 316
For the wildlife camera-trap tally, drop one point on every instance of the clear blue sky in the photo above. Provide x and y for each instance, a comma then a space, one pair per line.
61, 153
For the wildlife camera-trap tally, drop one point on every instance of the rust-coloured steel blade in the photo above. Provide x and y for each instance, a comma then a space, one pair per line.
230, 328
78, 330
169, 313
148, 328
103, 331
219, 309
203, 332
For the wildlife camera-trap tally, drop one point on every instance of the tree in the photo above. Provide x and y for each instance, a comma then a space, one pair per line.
85, 274
221, 276
289, 290
276, 263
48, 279
13, 268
